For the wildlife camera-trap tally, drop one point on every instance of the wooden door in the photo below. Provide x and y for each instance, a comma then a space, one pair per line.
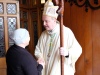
9, 21
30, 18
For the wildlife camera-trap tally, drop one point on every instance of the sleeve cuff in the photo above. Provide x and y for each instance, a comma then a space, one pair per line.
67, 56
40, 67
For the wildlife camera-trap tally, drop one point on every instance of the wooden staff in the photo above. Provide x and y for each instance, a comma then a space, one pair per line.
60, 13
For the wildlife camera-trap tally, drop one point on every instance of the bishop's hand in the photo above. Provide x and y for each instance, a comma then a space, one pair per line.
64, 52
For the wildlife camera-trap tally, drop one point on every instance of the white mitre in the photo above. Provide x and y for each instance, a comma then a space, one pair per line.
50, 9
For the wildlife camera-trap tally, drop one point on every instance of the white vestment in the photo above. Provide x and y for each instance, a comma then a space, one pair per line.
52, 63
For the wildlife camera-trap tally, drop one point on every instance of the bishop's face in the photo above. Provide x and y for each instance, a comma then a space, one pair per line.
48, 22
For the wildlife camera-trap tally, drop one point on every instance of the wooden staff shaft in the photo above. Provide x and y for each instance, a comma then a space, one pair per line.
62, 44
60, 12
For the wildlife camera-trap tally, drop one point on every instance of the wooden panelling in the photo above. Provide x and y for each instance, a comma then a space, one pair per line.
67, 14
96, 41
2, 63
3, 72
87, 42
86, 27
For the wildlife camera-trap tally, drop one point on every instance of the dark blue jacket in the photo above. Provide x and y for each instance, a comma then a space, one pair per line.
21, 62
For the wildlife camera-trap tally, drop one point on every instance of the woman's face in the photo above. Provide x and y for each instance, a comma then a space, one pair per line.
48, 22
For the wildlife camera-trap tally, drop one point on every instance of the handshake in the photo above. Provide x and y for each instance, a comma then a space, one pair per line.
63, 52
41, 61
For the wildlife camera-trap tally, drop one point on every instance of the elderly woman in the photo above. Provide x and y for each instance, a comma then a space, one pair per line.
19, 60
